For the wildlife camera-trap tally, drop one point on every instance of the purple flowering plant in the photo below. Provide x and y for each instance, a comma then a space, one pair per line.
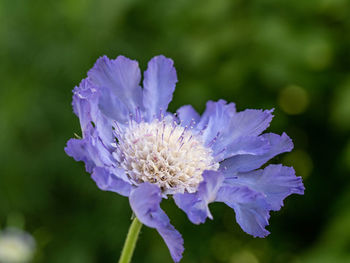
133, 146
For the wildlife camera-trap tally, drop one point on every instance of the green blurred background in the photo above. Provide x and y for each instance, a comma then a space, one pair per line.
293, 56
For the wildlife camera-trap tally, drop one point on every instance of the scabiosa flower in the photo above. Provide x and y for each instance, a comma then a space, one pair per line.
16, 246
132, 146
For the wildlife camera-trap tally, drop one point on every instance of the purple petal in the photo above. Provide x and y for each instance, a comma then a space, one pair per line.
108, 181
112, 106
251, 145
119, 79
215, 120
245, 163
85, 106
252, 195
250, 123
79, 150
159, 84
91, 151
195, 208
251, 208
230, 133
145, 202
195, 205
83, 96
276, 182
188, 115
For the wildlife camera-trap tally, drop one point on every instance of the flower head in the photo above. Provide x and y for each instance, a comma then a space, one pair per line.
163, 153
16, 246
132, 146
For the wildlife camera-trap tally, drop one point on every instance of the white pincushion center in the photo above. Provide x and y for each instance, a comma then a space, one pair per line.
165, 154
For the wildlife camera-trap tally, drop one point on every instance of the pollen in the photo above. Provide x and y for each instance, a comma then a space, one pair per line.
165, 154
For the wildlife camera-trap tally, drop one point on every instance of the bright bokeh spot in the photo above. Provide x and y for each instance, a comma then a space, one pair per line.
293, 99
244, 256
16, 246
301, 161
340, 115
318, 54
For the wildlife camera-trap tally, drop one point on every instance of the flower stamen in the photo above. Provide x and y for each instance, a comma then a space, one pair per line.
164, 153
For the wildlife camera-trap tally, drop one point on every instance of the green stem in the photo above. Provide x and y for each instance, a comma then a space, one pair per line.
130, 241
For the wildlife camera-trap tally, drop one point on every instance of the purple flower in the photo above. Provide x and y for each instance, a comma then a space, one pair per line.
132, 146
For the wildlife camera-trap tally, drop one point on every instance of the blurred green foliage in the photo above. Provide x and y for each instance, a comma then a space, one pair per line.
293, 56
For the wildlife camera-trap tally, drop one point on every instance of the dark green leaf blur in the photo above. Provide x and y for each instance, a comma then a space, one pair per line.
293, 56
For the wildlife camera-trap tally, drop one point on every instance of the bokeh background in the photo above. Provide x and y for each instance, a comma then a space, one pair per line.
293, 56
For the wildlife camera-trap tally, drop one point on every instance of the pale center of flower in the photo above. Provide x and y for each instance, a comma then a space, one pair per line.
165, 154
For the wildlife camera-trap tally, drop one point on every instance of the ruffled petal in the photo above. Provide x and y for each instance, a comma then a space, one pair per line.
145, 202
252, 195
245, 163
85, 106
188, 116
230, 133
83, 97
251, 208
215, 119
251, 145
275, 182
195, 208
195, 205
113, 107
250, 122
91, 151
109, 181
159, 84
80, 151
119, 79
